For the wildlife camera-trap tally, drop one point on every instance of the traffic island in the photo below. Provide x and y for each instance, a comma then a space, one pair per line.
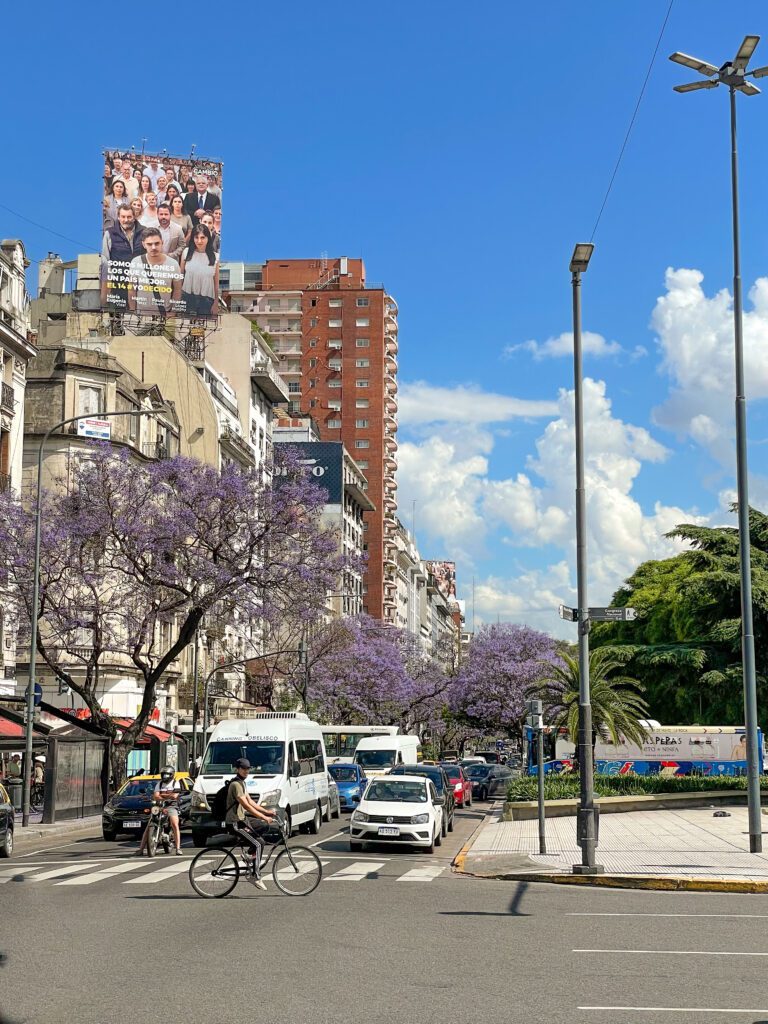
686, 849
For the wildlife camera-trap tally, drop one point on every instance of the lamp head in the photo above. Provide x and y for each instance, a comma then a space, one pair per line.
582, 254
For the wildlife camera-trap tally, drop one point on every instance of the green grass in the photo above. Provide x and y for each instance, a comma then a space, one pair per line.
566, 787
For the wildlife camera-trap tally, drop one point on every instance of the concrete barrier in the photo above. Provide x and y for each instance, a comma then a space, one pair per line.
526, 809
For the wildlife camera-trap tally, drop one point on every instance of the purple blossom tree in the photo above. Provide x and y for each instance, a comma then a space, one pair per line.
503, 664
131, 547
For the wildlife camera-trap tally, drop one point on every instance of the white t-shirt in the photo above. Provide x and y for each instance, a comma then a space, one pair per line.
163, 788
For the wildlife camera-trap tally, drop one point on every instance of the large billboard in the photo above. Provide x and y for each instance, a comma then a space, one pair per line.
161, 235
323, 461
445, 577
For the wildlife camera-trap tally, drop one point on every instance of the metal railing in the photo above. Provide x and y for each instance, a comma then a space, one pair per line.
155, 450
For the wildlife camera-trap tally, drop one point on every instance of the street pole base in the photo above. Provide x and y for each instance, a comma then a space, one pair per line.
588, 869
756, 843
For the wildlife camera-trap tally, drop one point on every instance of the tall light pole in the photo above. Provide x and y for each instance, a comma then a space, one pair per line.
29, 724
587, 814
734, 75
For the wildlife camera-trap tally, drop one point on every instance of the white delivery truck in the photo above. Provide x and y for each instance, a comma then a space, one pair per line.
287, 757
377, 754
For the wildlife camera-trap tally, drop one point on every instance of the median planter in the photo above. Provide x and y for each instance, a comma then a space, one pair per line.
523, 810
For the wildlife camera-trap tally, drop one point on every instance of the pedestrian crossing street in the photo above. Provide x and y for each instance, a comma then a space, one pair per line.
133, 871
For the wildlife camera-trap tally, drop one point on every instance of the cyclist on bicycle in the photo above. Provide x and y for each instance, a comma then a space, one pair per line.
238, 805
168, 790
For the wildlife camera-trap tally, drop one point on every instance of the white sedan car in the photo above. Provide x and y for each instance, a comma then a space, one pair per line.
400, 809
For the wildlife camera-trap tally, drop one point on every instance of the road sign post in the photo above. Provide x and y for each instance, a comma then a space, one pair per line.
536, 722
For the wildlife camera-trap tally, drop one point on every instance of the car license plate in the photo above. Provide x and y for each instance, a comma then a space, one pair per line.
389, 831
131, 824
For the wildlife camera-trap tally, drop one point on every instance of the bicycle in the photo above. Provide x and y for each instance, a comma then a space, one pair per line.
37, 796
159, 829
296, 870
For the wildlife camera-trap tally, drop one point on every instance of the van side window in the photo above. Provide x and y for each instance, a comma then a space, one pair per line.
310, 755
291, 758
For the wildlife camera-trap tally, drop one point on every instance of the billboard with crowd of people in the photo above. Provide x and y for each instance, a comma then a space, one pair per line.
445, 578
161, 235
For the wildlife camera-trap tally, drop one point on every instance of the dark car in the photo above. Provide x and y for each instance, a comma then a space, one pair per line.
488, 780
6, 824
334, 800
443, 786
350, 780
128, 810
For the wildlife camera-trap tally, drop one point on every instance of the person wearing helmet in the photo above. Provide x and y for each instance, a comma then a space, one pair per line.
167, 791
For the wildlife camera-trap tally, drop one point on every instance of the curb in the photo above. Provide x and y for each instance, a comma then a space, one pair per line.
21, 836
457, 864
661, 883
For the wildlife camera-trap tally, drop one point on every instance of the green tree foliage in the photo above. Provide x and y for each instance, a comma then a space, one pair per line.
617, 704
686, 644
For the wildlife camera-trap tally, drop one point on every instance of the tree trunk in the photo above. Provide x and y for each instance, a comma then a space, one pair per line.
119, 759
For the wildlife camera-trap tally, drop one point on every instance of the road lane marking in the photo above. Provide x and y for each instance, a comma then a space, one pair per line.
425, 874
97, 876
357, 871
329, 839
25, 869
736, 917
670, 952
167, 871
673, 1009
63, 872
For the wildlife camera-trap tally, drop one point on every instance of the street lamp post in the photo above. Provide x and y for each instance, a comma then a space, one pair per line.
734, 75
587, 813
30, 705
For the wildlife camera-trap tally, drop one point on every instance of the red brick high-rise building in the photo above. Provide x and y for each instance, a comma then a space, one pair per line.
336, 339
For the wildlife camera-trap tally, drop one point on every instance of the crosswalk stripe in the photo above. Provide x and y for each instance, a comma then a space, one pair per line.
425, 874
357, 871
97, 876
168, 871
27, 870
62, 872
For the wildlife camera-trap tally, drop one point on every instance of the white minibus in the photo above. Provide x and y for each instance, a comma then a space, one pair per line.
377, 754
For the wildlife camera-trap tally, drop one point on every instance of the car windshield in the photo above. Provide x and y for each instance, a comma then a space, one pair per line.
477, 771
343, 773
266, 756
138, 788
390, 791
375, 758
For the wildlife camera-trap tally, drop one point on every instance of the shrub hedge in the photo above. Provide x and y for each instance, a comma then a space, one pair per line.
566, 787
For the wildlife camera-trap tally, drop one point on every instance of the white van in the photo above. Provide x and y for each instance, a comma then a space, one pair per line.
286, 754
377, 754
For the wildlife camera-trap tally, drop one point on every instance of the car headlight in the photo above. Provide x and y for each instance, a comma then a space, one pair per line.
271, 799
419, 819
355, 792
359, 816
199, 802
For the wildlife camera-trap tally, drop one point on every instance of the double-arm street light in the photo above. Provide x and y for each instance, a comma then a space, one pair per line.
28, 734
587, 813
734, 75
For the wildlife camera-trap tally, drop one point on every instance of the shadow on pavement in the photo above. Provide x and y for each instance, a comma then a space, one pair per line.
513, 910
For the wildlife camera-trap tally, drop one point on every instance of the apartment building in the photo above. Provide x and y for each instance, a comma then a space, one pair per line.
335, 337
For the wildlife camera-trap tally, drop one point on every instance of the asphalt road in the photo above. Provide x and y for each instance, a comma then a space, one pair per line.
93, 937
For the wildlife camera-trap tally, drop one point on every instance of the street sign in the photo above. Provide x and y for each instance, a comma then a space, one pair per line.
38, 693
569, 614
612, 614
92, 426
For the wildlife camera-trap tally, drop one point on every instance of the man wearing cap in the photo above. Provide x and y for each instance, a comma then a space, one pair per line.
238, 805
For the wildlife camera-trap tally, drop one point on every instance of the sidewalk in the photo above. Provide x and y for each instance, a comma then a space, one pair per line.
36, 830
660, 849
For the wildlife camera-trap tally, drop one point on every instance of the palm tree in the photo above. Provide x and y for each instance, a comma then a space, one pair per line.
617, 704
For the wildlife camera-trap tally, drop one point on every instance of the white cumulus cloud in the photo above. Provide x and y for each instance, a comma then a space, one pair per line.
555, 348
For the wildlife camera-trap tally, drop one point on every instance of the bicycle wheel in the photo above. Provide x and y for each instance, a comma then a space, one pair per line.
297, 871
213, 874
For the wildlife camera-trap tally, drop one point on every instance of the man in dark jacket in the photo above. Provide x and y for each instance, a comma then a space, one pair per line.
120, 245
198, 201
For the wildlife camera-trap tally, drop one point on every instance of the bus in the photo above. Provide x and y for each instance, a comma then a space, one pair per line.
666, 750
341, 740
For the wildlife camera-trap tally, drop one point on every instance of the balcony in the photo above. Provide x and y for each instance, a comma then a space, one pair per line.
392, 347
269, 381
391, 382
155, 450
7, 401
219, 394
236, 445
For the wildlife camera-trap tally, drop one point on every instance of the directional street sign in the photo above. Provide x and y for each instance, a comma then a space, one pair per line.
612, 614
570, 614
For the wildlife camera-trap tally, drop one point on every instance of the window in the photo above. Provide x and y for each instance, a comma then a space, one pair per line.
361, 424
313, 322
362, 443
334, 323
336, 406
334, 343
310, 756
313, 342
334, 383
361, 403
334, 424
313, 382
362, 342
334, 302
312, 403
361, 464
361, 383
313, 302
362, 362
362, 321
312, 363
294, 387
90, 400
363, 302
334, 365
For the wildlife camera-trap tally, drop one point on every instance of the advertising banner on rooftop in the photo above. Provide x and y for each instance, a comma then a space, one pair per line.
161, 235
445, 578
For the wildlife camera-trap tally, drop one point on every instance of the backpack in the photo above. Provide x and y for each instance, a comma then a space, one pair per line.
219, 804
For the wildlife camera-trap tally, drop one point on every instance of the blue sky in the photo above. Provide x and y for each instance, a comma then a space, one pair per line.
462, 151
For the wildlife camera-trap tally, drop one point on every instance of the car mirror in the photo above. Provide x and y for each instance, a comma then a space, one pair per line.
295, 770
